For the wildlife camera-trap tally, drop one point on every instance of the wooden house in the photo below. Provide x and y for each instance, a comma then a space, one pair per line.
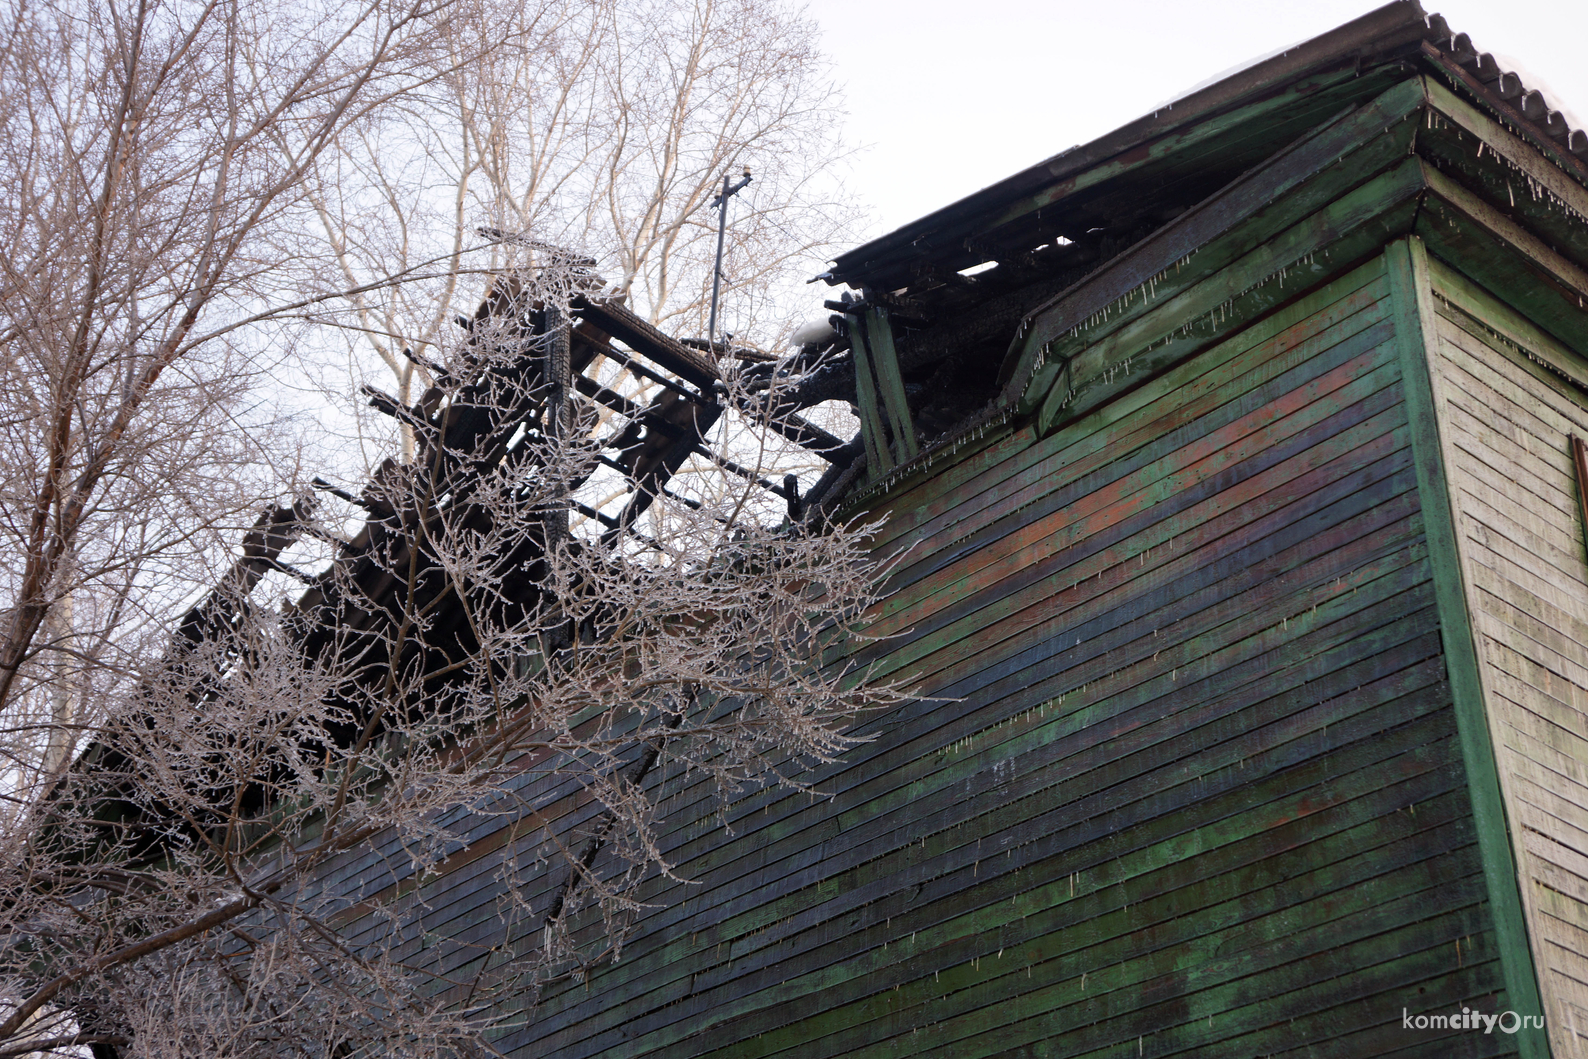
1246, 595
1247, 598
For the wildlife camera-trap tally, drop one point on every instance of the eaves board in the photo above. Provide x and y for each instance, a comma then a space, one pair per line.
1298, 259
1507, 218
1279, 82
1148, 184
1506, 215
1185, 285
1509, 262
1517, 184
1311, 212
1297, 221
1466, 84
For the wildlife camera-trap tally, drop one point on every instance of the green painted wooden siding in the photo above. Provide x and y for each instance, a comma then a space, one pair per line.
1192, 785
1507, 419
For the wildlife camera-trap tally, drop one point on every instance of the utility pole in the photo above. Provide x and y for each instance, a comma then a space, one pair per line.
729, 189
558, 373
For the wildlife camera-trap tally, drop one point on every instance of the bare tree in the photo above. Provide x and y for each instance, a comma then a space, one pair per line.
184, 888
606, 126
489, 637
150, 156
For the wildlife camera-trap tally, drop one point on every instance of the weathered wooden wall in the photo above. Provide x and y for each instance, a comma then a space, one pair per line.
1192, 785
1509, 399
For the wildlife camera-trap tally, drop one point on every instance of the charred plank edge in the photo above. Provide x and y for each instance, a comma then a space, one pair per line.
649, 486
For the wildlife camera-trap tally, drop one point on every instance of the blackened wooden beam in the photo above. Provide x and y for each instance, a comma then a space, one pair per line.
386, 404
554, 420
890, 383
743, 472
647, 485
640, 336
692, 366
611, 398
646, 373
272, 534
879, 459
797, 429
841, 461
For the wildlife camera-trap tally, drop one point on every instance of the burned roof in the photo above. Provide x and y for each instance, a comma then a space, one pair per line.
970, 232
969, 301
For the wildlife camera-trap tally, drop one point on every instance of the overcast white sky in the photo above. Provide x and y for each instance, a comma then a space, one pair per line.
952, 95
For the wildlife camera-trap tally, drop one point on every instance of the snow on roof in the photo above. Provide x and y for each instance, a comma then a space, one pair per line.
1532, 80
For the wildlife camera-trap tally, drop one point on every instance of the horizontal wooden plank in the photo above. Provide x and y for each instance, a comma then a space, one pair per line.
1552, 805
865, 751
1556, 636
929, 866
1072, 467
1100, 1028
1495, 526
1569, 911
1499, 370
1235, 925
1563, 858
959, 492
1195, 742
1144, 962
1106, 875
1345, 230
1081, 579
1510, 412
1546, 714
1054, 483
